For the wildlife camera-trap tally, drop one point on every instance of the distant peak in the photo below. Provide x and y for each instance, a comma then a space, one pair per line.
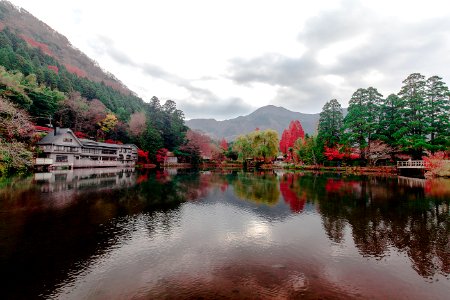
271, 108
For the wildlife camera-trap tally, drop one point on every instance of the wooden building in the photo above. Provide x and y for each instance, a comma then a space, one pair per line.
62, 148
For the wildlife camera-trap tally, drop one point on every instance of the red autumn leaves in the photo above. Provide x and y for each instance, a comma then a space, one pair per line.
290, 136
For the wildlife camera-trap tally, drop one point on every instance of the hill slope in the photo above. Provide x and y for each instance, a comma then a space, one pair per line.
38, 34
273, 117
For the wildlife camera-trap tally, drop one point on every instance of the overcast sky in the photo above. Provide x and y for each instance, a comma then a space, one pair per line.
222, 59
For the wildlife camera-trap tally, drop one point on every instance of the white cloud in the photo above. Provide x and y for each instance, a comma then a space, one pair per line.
298, 54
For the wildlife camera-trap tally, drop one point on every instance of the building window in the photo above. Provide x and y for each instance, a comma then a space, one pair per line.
67, 140
109, 151
61, 158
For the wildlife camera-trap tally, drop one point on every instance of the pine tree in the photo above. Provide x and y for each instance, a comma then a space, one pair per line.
362, 120
389, 120
411, 134
437, 109
330, 124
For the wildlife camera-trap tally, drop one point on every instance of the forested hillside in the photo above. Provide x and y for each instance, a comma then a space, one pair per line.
40, 35
39, 88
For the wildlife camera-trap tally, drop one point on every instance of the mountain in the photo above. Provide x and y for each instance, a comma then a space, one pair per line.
270, 116
39, 35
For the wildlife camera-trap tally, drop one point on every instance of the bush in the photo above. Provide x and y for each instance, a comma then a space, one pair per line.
14, 158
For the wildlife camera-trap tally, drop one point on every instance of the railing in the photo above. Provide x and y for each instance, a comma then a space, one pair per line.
43, 161
418, 164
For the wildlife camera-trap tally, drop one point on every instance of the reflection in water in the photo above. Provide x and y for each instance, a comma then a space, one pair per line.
259, 188
116, 233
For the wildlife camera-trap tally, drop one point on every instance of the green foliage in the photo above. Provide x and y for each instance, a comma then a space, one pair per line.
308, 151
415, 120
437, 110
14, 158
15, 54
257, 144
37, 82
389, 120
151, 141
330, 123
362, 120
259, 189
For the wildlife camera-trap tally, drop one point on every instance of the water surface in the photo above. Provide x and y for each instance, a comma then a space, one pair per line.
120, 234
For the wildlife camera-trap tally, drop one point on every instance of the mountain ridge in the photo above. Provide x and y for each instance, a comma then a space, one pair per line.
265, 117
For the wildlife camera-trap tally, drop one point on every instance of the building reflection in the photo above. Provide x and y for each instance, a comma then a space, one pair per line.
63, 180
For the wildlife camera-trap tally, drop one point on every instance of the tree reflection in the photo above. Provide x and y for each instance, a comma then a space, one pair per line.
260, 188
292, 192
386, 212
54, 227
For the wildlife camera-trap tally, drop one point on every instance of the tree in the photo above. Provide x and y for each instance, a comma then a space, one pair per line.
108, 123
259, 144
411, 133
378, 150
15, 123
389, 120
340, 152
242, 145
330, 123
290, 136
137, 123
197, 140
172, 128
437, 111
361, 122
73, 112
224, 144
307, 150
264, 143
151, 141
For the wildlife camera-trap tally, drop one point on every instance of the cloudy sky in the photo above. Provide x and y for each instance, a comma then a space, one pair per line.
222, 59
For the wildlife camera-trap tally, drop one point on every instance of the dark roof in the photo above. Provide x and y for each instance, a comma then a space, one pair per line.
91, 143
50, 138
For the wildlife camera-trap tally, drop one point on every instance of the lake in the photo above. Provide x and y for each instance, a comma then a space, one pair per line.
123, 234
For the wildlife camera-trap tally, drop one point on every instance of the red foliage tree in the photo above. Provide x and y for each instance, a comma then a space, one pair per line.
200, 141
137, 123
75, 70
434, 162
224, 145
290, 136
143, 156
110, 141
333, 154
81, 135
161, 155
44, 48
54, 69
340, 152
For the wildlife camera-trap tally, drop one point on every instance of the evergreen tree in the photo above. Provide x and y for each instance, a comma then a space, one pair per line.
411, 134
389, 120
330, 124
362, 120
437, 109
